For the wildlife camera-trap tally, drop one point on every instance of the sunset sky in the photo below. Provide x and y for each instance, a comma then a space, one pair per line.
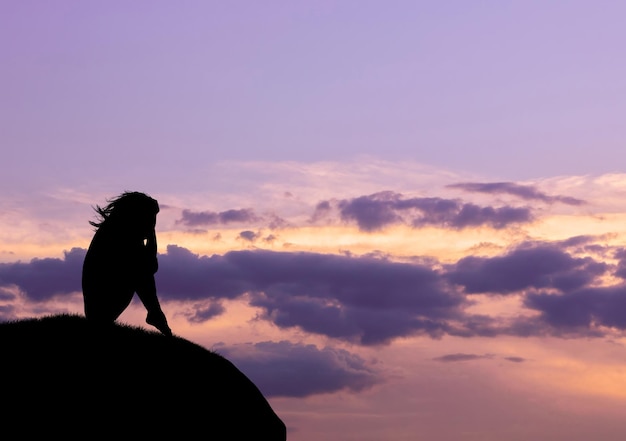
403, 220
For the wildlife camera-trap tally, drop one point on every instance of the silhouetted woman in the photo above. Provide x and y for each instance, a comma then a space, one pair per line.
122, 260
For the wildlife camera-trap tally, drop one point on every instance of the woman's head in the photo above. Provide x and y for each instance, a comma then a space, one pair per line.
133, 211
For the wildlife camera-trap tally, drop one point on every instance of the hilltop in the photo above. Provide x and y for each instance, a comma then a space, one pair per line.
62, 377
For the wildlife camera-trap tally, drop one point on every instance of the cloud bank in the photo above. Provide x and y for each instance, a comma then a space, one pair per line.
371, 300
379, 210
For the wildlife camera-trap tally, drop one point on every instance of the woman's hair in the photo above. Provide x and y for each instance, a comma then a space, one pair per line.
125, 207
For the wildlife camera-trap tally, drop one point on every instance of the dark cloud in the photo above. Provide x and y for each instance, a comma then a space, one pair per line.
203, 313
362, 299
452, 358
577, 241
587, 244
515, 359
184, 275
620, 254
367, 326
41, 279
371, 212
584, 308
471, 215
204, 218
248, 235
540, 266
295, 370
526, 192
367, 299
379, 210
460, 357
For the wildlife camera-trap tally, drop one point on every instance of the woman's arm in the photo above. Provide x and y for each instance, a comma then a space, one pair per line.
151, 252
151, 242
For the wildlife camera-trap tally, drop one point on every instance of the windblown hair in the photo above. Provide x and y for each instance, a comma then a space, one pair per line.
124, 207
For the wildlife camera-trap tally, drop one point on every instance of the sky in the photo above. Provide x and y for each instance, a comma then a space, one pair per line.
403, 220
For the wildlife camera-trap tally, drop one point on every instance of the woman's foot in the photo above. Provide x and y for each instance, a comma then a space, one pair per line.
159, 321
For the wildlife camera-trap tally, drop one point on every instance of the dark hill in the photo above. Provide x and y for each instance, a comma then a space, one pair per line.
62, 377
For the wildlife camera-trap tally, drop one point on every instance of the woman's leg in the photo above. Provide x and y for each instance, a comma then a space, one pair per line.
146, 290
107, 304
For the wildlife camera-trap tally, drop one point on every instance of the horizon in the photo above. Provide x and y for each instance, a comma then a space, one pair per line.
401, 220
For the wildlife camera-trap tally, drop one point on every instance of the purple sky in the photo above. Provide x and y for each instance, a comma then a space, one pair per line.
513, 90
402, 219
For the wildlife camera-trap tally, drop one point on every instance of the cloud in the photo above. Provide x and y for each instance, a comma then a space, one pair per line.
585, 308
363, 299
201, 313
620, 254
460, 357
6, 294
515, 359
371, 212
196, 219
378, 210
185, 276
204, 218
367, 299
248, 235
525, 192
535, 266
296, 370
453, 358
471, 215
270, 238
41, 279
577, 241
